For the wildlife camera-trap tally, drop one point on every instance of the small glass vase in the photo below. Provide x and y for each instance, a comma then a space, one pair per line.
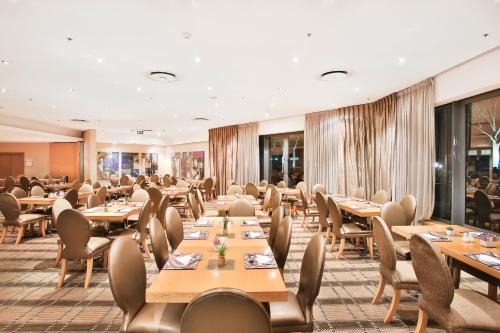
222, 261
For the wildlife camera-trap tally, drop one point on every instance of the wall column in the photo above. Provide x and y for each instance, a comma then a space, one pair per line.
90, 155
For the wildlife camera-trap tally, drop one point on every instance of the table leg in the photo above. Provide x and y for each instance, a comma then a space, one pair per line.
492, 291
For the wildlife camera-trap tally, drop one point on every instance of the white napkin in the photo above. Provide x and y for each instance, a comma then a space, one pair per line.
489, 259
203, 222
254, 234
263, 260
195, 234
430, 236
220, 203
185, 259
251, 222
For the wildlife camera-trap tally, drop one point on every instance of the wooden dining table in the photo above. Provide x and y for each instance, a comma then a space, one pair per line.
173, 191
223, 203
456, 249
59, 186
181, 286
355, 206
46, 201
116, 189
117, 212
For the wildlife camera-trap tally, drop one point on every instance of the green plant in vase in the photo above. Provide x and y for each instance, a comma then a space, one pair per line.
221, 248
224, 225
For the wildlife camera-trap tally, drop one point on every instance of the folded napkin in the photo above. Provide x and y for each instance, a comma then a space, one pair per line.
341, 200
220, 203
435, 237
252, 235
197, 235
183, 261
357, 207
249, 222
259, 260
254, 202
122, 210
92, 210
487, 258
203, 223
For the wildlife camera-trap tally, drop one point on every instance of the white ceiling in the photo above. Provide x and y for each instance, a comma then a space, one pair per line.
246, 52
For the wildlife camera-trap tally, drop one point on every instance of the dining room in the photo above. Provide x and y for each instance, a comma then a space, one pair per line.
265, 166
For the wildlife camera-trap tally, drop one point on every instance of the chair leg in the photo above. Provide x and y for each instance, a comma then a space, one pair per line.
105, 257
320, 228
334, 240
341, 248
380, 290
41, 226
4, 233
58, 255
63, 273
20, 234
304, 225
370, 246
328, 232
422, 321
88, 276
146, 249
396, 296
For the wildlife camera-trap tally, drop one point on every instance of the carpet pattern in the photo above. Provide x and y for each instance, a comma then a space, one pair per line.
30, 301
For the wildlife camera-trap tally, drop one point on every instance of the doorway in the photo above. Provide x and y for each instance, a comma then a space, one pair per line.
11, 164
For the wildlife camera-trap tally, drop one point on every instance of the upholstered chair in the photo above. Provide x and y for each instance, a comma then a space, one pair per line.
140, 179
19, 193
241, 207
343, 231
318, 188
173, 181
207, 188
251, 189
398, 273
393, 213
136, 187
323, 214
360, 193
281, 184
140, 195
72, 197
143, 184
11, 210
127, 279
380, 197
409, 203
194, 206
159, 242
93, 201
234, 189
24, 183
275, 201
141, 233
275, 223
164, 204
114, 181
75, 184
124, 181
174, 228
455, 310
34, 183
484, 211
155, 179
88, 181
282, 242
263, 183
102, 194
296, 314
97, 185
307, 209
57, 207
166, 180
155, 196
225, 311
182, 184
37, 191
10, 183
74, 230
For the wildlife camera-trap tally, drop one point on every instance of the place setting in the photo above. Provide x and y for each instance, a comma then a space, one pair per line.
251, 234
203, 223
180, 261
255, 260
196, 235
250, 223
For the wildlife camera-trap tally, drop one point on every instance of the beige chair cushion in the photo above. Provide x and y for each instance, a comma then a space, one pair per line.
404, 276
154, 317
402, 249
96, 245
30, 218
353, 229
287, 314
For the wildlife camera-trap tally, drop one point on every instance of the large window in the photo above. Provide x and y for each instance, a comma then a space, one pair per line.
443, 166
282, 157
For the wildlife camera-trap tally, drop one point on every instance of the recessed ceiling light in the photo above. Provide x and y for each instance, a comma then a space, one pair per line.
336, 75
99, 60
139, 89
70, 90
187, 35
402, 60
295, 60
271, 105
158, 134
175, 115
197, 59
357, 88
485, 35
209, 88
4, 90
5, 62
53, 106
216, 104
114, 143
266, 115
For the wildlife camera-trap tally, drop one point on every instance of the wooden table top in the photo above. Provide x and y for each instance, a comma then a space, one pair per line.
362, 208
181, 286
230, 197
285, 191
174, 191
58, 186
223, 205
46, 201
111, 215
116, 189
456, 248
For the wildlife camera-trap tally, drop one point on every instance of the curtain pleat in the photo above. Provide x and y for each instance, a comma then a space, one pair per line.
247, 169
222, 145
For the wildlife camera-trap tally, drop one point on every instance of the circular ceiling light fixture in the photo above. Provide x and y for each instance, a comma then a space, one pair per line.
334, 76
162, 76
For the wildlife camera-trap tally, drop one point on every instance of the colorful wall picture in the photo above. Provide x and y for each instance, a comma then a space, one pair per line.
149, 163
107, 165
188, 164
130, 164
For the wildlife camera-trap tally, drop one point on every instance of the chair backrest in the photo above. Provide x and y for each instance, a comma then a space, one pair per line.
282, 242
194, 205
360, 193
72, 197
303, 198
335, 216
153, 185
18, 193
140, 195
114, 181
25, 183
34, 183
88, 181
225, 311
74, 230
251, 189
97, 185
275, 201
174, 228
136, 187
164, 204
127, 277
143, 220
311, 272
241, 207
93, 201
322, 209
267, 200
393, 214
409, 203
159, 242
318, 188
281, 184
263, 182
173, 181
37, 191
140, 178
302, 186
166, 180
208, 185
143, 184
483, 182
433, 275
483, 205
76, 184
385, 245
200, 199
275, 223
155, 196
10, 208
10, 183
380, 197
57, 207
234, 189
124, 181
182, 184
102, 193
154, 179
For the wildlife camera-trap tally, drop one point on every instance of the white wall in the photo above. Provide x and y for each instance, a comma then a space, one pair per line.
282, 125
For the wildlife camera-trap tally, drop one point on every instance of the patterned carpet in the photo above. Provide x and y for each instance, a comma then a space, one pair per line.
30, 302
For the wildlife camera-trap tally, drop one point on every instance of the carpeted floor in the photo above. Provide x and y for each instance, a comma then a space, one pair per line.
30, 302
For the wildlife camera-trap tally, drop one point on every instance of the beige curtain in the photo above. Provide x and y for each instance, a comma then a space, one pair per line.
247, 167
351, 147
415, 147
222, 147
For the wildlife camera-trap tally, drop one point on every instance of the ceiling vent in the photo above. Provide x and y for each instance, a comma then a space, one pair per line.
334, 76
162, 77
76, 120
201, 119
141, 132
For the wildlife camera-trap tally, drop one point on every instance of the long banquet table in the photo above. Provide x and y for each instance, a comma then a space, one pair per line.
358, 207
181, 286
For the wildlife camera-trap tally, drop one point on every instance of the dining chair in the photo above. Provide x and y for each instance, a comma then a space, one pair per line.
24, 183
88, 181
166, 181
74, 230
343, 231
409, 203
75, 184
194, 206
318, 188
34, 183
173, 181
174, 228
93, 201
124, 181
86, 188
140, 178
241, 207
275, 223
208, 184
57, 207
127, 280
484, 211
483, 182
234, 189
380, 197
263, 183
155, 195
281, 184
10, 183
296, 313
224, 310
37, 191
97, 185
491, 189
141, 195
11, 210
323, 214
307, 209
251, 189
155, 179
360, 193
72, 197
159, 242
143, 184
455, 310
164, 204
182, 184
282, 242
102, 194
114, 181
393, 214
398, 273
19, 193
